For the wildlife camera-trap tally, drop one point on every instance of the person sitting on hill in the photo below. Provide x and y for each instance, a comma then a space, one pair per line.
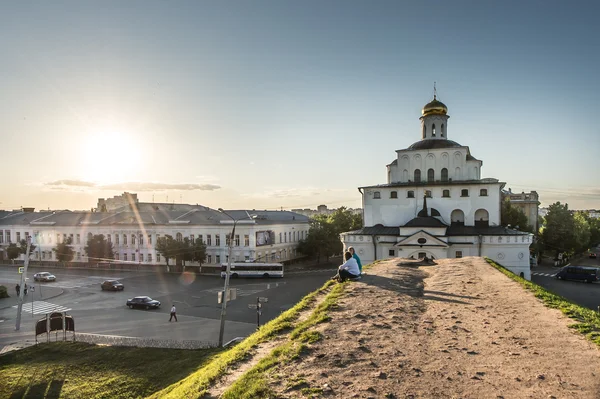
349, 270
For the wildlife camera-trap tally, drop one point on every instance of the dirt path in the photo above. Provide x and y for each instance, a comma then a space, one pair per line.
459, 329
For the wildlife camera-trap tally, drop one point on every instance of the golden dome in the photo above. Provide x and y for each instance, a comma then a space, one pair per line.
434, 107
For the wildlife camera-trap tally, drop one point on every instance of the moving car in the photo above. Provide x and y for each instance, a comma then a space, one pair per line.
44, 276
112, 285
582, 273
593, 255
143, 302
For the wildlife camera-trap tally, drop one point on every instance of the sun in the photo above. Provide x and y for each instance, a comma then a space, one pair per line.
110, 157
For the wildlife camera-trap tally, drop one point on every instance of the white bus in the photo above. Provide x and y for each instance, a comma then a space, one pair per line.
252, 269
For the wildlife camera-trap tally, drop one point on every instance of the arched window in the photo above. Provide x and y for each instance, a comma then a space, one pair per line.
424, 130
394, 194
433, 130
376, 195
481, 218
133, 239
483, 192
179, 237
90, 236
404, 176
417, 175
444, 174
457, 217
430, 175
457, 173
443, 132
124, 239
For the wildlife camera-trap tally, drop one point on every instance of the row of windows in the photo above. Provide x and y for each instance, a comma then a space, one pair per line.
433, 131
430, 175
445, 193
135, 239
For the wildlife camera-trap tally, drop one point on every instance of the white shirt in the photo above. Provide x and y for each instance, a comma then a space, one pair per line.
173, 310
352, 266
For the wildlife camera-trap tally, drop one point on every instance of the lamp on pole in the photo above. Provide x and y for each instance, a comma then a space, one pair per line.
226, 286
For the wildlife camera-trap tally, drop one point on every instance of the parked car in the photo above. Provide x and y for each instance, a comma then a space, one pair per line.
143, 302
582, 273
44, 276
112, 285
593, 255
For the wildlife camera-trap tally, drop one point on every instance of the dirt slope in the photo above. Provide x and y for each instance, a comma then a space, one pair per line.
459, 329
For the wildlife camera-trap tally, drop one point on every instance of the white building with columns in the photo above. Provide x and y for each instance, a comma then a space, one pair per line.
436, 204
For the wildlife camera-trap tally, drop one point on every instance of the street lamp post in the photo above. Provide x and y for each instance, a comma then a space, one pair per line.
226, 286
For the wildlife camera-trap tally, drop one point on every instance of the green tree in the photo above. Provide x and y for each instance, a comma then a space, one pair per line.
64, 251
167, 247
98, 248
343, 220
582, 232
514, 217
198, 251
322, 240
13, 251
23, 247
558, 232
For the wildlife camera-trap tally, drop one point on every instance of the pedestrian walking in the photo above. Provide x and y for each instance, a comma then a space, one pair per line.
25, 289
18, 289
173, 313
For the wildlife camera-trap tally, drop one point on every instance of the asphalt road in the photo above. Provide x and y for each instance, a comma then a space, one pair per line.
101, 312
582, 293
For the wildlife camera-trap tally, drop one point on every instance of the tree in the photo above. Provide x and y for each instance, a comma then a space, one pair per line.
167, 247
98, 248
344, 220
514, 217
64, 251
322, 240
198, 251
23, 247
558, 233
13, 251
582, 232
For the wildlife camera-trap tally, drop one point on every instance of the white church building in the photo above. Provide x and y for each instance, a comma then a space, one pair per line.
436, 204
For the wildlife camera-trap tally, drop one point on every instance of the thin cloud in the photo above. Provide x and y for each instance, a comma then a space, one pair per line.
130, 186
70, 183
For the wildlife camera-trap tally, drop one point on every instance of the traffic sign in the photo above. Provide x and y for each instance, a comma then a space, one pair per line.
252, 306
263, 299
21, 269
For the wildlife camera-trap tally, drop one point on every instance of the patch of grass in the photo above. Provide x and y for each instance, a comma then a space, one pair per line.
311, 391
257, 377
588, 321
79, 370
197, 384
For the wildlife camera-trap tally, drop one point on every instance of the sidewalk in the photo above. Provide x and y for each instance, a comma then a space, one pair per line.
46, 292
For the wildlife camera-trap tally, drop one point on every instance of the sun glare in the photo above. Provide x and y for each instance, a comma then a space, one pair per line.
111, 157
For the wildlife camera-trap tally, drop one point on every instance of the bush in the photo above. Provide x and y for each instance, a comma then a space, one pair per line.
3, 292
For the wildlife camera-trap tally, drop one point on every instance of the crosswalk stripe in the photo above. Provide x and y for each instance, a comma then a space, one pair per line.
42, 307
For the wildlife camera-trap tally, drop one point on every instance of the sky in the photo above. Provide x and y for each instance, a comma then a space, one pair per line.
289, 104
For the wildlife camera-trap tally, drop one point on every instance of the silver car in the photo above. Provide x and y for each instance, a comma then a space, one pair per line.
44, 276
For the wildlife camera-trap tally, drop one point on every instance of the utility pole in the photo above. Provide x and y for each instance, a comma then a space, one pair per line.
226, 287
23, 280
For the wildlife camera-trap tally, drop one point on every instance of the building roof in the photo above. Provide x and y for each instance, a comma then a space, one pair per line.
425, 221
437, 183
429, 144
378, 229
146, 215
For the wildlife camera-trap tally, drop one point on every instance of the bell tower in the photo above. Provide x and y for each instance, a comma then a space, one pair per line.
434, 119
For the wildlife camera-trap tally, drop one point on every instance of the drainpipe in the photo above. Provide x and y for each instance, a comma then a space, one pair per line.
374, 247
480, 245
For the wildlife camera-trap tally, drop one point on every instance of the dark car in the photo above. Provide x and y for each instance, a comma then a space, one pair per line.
112, 285
593, 255
143, 302
582, 273
44, 276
